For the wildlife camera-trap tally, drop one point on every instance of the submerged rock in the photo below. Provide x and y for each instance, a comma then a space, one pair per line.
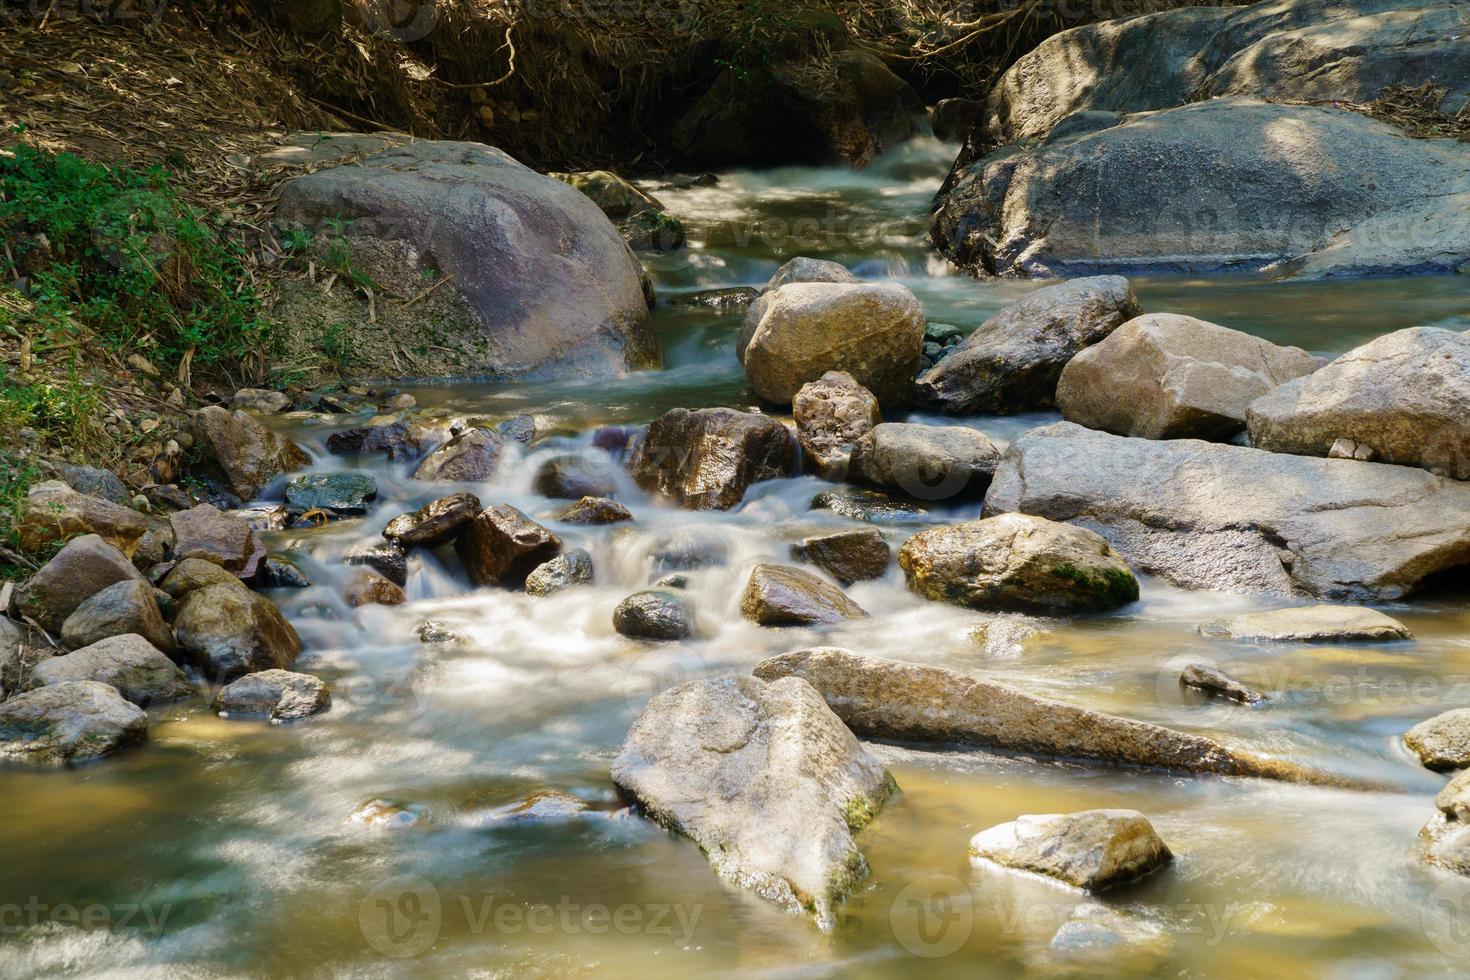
908, 702
68, 722
1019, 563
831, 414
1214, 682
572, 476
777, 595
388, 560
240, 453
122, 608
281, 573
1310, 624
653, 616
1204, 515
1013, 361
137, 668
565, 570
280, 695
84, 567
437, 522
765, 779
1093, 850
227, 630
368, 588
209, 533
925, 461
339, 493
1443, 742
595, 510
867, 505
706, 459
502, 546
848, 556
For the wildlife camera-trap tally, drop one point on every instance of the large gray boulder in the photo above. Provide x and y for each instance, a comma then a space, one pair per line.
137, 668
68, 723
873, 331
706, 459
279, 695
1012, 362
1205, 515
765, 779
887, 699
1093, 850
1231, 184
930, 462
122, 608
545, 284
1167, 376
1403, 398
86, 566
227, 631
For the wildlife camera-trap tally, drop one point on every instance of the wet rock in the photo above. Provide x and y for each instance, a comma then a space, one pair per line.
653, 616
1093, 850
84, 567
866, 505
67, 723
545, 805
196, 573
572, 476
1166, 376
53, 512
848, 556
280, 695
831, 414
673, 580
1310, 624
502, 546
266, 517
138, 669
765, 779
227, 631
689, 548
384, 815
338, 493
519, 428
437, 522
261, 401
433, 632
777, 595
1403, 398
470, 457
908, 702
92, 481
706, 459
640, 217
595, 510
1005, 636
567, 569
282, 573
121, 608
1203, 515
1019, 563
1443, 742
368, 588
727, 299
1214, 682
208, 533
240, 453
1097, 938
388, 560
396, 437
925, 461
873, 331
1013, 361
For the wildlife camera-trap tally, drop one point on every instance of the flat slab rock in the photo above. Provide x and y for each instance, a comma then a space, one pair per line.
68, 723
765, 779
280, 695
1310, 624
1093, 850
136, 668
1209, 516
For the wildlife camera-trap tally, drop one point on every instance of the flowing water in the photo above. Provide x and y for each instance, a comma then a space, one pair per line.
225, 848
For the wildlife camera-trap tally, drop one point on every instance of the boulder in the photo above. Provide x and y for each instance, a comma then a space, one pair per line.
396, 436
567, 569
502, 546
337, 493
1093, 850
1310, 624
53, 512
437, 522
138, 669
847, 556
572, 476
368, 588
1405, 398
765, 779
873, 331
84, 567
831, 414
654, 615
240, 453
67, 723
227, 631
640, 218
470, 457
261, 401
209, 533
705, 459
544, 284
906, 702
1012, 362
280, 695
777, 595
595, 510
1443, 742
91, 481
799, 269
1166, 376
1016, 562
387, 560
930, 462
1214, 682
126, 607
196, 573
1204, 515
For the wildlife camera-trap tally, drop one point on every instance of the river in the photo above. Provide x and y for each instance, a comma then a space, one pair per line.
225, 848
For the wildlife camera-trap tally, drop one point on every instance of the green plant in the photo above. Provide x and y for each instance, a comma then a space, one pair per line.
17, 474
334, 345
